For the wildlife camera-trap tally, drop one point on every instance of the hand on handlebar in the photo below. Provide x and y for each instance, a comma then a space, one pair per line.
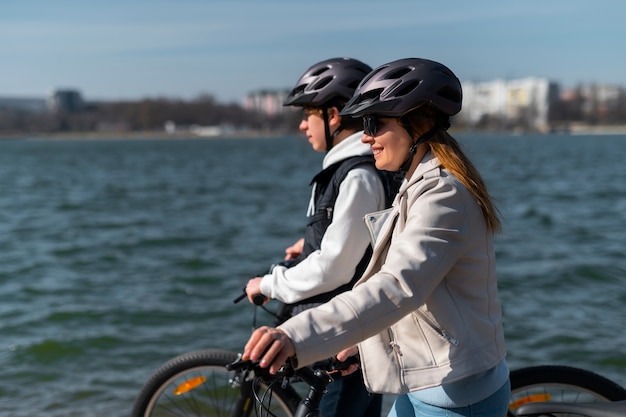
271, 347
346, 354
253, 290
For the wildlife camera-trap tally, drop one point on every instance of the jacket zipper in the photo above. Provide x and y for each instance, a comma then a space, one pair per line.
440, 331
397, 353
392, 344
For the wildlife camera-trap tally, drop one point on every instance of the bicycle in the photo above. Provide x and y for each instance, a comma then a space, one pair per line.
200, 383
172, 391
557, 390
610, 409
215, 382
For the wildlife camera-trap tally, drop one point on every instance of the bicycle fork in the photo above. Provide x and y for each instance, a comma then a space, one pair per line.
245, 401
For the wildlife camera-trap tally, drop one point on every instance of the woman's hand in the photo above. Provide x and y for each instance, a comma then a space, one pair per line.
345, 354
272, 347
294, 250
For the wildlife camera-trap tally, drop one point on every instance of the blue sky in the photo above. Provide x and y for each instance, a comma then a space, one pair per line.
131, 49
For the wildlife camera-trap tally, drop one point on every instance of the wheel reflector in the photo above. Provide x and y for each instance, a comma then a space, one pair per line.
534, 398
189, 385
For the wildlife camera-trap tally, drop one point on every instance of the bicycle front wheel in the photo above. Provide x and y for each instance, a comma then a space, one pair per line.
559, 383
198, 384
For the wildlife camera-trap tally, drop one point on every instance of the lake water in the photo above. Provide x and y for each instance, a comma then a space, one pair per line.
117, 255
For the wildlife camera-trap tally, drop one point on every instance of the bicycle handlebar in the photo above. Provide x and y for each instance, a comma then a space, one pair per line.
258, 299
317, 377
307, 374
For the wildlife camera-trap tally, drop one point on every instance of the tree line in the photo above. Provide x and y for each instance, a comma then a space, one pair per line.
145, 115
153, 114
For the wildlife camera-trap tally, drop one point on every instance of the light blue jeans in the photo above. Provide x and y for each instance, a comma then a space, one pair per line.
496, 405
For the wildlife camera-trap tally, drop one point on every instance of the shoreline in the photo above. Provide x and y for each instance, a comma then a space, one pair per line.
573, 129
143, 135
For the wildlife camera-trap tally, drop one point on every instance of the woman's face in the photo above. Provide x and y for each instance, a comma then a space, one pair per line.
390, 142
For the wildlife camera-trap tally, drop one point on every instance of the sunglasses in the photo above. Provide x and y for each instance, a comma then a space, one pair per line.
371, 124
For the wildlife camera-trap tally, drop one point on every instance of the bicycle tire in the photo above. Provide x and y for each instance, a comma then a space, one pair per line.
198, 384
559, 383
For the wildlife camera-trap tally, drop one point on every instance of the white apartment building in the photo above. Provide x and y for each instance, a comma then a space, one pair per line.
526, 101
269, 102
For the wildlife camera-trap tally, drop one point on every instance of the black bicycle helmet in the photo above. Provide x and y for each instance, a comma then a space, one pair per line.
396, 88
335, 78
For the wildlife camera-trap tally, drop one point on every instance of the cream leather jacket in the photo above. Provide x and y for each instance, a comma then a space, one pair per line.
426, 311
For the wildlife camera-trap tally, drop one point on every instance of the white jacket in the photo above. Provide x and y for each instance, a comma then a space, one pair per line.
345, 240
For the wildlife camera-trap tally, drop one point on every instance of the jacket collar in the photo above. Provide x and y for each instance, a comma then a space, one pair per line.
428, 163
350, 146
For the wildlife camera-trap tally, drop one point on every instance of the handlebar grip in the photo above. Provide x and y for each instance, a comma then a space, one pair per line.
339, 366
333, 364
259, 299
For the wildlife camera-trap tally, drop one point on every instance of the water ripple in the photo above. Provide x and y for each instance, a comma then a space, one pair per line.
117, 255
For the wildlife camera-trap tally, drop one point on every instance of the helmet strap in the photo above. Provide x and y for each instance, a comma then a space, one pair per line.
407, 164
329, 138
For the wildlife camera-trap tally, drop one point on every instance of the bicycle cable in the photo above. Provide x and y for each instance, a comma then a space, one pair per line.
261, 400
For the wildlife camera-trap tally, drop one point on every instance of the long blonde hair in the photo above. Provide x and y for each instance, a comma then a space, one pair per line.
452, 158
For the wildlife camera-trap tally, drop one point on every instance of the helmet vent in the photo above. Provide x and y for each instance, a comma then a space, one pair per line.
319, 71
407, 88
323, 83
370, 95
399, 73
368, 77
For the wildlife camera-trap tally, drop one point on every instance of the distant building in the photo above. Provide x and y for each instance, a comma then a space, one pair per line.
269, 102
523, 102
598, 99
30, 105
65, 101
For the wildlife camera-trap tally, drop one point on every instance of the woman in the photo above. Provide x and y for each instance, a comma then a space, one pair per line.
425, 313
